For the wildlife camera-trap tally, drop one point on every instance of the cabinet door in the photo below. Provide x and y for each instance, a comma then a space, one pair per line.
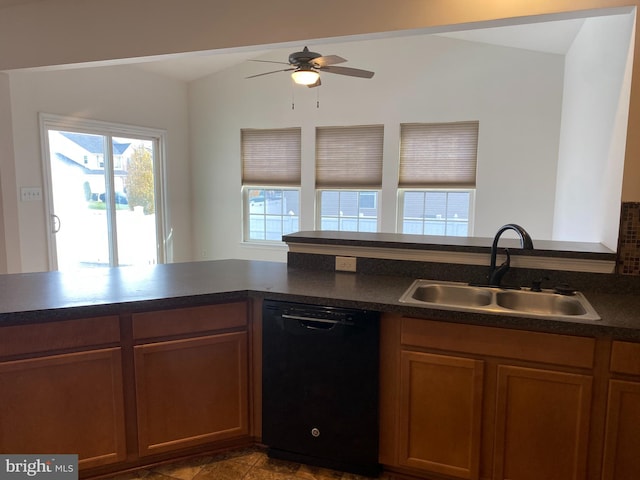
70, 403
542, 424
191, 391
440, 413
622, 439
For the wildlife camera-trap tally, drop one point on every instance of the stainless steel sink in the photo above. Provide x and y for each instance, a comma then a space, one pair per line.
523, 303
541, 302
460, 295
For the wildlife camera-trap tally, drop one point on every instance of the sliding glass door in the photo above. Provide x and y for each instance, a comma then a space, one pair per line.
104, 194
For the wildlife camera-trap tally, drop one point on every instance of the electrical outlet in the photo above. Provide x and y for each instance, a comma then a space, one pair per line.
346, 264
30, 194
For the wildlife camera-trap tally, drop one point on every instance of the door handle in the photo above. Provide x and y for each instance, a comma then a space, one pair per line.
56, 223
309, 319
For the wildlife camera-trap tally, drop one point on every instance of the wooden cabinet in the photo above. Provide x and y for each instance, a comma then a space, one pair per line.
440, 412
63, 403
482, 402
185, 372
191, 391
622, 439
542, 424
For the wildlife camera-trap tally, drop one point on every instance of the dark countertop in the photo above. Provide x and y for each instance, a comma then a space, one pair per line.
547, 248
38, 297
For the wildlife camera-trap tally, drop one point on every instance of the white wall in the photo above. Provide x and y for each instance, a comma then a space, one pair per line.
594, 124
114, 94
515, 94
7, 176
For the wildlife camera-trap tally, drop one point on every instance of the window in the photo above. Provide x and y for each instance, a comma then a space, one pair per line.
105, 203
353, 211
437, 178
436, 212
270, 183
349, 177
272, 213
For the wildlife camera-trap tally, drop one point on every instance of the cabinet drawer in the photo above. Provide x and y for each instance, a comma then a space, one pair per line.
52, 336
163, 323
549, 348
625, 358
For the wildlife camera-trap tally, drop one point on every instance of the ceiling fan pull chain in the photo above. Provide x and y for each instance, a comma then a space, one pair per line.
317, 98
293, 99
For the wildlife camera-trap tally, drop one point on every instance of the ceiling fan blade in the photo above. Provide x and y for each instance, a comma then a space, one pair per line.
352, 72
268, 73
269, 61
327, 60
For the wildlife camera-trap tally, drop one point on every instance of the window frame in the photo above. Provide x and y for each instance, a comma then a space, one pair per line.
48, 121
341, 152
438, 157
258, 171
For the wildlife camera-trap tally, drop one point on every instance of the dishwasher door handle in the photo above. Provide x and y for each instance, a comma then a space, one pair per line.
311, 319
312, 323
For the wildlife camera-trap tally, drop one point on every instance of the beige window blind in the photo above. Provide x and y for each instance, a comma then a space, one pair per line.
349, 156
270, 156
438, 154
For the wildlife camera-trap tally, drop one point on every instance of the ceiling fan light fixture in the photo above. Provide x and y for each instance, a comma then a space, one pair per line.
305, 77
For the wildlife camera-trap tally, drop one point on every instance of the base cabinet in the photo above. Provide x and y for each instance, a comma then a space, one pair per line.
481, 402
440, 412
69, 403
191, 392
61, 390
117, 390
542, 424
622, 432
191, 376
622, 439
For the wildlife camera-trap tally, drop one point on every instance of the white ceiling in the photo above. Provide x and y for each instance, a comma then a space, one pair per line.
191, 66
551, 37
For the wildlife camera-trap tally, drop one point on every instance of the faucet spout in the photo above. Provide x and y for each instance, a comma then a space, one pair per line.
525, 243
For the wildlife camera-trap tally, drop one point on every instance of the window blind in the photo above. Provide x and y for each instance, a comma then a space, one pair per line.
438, 154
349, 156
270, 156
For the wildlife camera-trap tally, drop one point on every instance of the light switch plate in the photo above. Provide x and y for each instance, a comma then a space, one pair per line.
30, 194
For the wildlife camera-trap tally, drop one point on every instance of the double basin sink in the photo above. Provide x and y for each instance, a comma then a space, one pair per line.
484, 299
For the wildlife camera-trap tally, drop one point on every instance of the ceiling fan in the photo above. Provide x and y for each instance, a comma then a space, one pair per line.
306, 66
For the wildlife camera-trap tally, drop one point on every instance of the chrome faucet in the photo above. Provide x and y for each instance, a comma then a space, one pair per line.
496, 274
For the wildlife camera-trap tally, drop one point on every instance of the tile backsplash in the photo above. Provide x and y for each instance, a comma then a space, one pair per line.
629, 239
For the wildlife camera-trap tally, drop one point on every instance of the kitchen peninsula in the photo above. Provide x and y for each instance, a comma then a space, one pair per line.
138, 365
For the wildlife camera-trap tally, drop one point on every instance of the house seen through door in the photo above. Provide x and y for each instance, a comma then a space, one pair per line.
103, 201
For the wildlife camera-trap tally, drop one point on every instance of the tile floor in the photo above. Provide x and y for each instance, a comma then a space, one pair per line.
245, 464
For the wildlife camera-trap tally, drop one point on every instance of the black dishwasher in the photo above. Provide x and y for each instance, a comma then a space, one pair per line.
320, 385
